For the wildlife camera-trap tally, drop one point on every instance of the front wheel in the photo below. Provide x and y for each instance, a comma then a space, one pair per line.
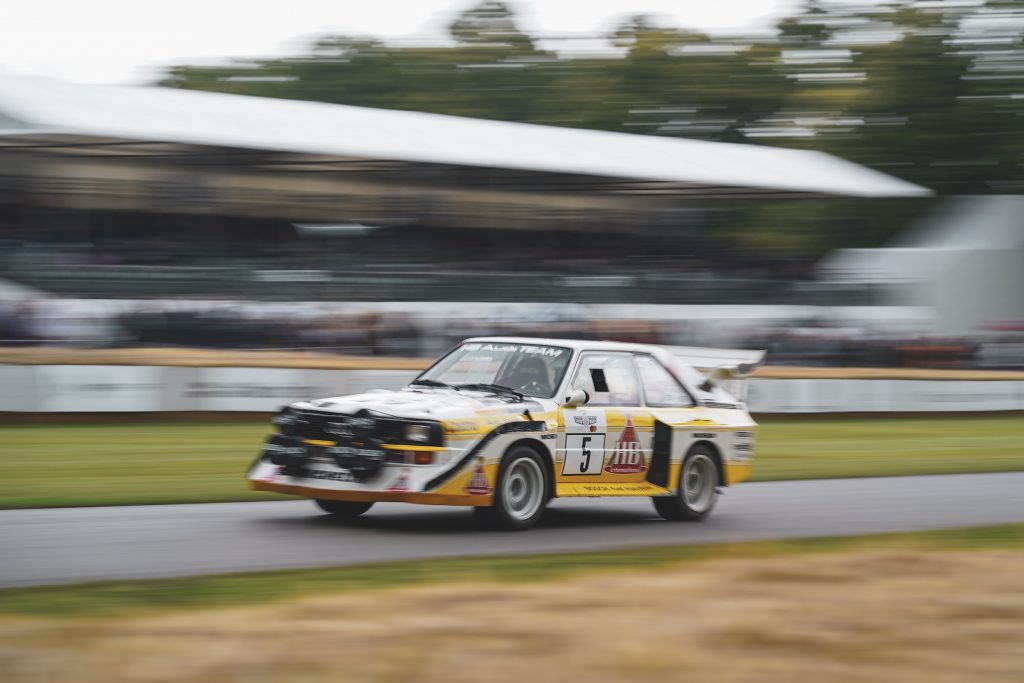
698, 488
343, 509
521, 491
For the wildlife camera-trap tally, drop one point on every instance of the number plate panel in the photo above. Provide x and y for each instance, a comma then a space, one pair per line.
584, 454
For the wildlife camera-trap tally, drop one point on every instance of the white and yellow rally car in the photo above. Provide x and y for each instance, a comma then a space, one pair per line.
506, 424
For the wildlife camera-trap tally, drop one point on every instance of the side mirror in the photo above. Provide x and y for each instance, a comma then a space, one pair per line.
577, 398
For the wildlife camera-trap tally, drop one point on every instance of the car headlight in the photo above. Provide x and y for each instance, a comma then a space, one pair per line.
417, 433
284, 419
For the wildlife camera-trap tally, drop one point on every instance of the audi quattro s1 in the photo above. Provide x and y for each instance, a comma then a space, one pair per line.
505, 424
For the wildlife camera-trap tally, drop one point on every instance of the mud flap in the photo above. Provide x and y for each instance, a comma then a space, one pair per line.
661, 449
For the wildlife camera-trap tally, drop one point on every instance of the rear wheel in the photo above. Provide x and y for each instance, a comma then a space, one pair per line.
520, 493
698, 488
343, 509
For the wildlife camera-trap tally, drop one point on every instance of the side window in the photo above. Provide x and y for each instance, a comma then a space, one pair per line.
660, 387
609, 378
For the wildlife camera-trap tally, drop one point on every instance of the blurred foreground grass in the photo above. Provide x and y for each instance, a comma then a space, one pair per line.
117, 598
913, 608
178, 462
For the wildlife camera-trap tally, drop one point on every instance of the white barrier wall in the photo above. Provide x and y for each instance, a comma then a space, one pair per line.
882, 395
124, 388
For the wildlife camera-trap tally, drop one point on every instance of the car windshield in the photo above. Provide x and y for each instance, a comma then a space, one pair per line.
530, 369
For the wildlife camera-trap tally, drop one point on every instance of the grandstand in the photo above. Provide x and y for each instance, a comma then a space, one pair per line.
168, 192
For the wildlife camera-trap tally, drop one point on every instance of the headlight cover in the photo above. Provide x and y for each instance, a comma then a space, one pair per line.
417, 433
285, 419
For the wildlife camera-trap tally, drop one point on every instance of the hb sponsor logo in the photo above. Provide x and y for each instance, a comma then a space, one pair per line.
628, 457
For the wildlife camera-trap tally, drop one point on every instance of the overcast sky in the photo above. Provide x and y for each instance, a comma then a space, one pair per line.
128, 41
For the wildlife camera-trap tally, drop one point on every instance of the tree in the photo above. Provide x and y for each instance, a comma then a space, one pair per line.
931, 92
490, 24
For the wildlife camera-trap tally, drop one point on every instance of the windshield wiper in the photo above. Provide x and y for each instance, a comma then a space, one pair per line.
431, 383
496, 388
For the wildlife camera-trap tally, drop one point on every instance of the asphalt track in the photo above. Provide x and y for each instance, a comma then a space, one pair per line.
68, 545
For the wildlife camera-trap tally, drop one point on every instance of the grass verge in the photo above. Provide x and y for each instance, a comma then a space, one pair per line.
116, 598
170, 462
790, 448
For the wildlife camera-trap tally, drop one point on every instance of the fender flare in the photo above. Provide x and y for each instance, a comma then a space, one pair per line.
463, 462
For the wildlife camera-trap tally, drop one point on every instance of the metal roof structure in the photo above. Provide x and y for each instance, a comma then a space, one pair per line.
963, 260
56, 115
957, 225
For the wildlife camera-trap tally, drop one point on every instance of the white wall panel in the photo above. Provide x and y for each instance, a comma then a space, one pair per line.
97, 388
121, 388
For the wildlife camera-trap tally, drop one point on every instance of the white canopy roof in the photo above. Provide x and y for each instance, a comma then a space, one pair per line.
31, 106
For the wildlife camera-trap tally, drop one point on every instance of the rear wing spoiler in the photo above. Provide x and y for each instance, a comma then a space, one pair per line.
719, 363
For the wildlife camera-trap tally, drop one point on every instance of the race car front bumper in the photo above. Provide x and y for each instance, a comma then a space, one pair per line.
371, 471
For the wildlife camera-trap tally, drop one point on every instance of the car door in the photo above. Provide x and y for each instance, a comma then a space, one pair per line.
608, 440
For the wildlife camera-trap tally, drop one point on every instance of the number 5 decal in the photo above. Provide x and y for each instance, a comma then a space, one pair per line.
584, 454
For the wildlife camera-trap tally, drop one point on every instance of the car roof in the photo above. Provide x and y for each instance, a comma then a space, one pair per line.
740, 362
575, 344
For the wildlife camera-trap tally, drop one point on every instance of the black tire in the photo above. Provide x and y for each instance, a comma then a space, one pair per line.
521, 491
343, 509
693, 502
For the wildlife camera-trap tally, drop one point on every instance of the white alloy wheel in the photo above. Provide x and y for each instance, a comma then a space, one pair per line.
521, 491
699, 481
522, 488
697, 493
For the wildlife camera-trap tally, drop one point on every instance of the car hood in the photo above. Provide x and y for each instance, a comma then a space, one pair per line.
428, 403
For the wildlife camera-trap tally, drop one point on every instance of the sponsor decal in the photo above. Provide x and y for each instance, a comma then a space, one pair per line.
461, 425
492, 421
548, 436
478, 485
583, 422
528, 349
401, 483
326, 475
627, 458
352, 452
703, 435
588, 421
617, 488
271, 476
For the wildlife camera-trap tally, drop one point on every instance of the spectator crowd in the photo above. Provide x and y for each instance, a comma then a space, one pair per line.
424, 330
